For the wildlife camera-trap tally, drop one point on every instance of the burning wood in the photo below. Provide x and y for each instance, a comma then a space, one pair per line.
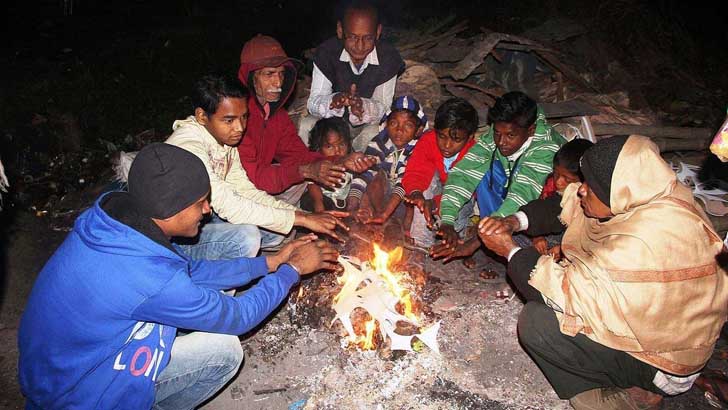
387, 301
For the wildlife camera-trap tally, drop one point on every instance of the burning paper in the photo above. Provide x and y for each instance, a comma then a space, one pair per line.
377, 290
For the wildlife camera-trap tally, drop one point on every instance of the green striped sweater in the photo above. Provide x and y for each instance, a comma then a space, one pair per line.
535, 166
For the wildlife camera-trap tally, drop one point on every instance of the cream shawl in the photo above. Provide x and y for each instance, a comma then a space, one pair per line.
646, 281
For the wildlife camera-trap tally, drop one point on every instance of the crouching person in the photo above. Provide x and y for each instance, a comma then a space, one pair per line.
635, 307
100, 326
239, 208
434, 156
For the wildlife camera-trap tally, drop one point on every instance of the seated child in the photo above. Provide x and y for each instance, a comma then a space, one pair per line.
506, 168
436, 153
376, 193
566, 171
331, 138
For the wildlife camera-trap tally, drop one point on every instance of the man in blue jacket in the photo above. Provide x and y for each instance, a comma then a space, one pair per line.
100, 327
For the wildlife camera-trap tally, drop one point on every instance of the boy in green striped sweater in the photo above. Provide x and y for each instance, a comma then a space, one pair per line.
506, 168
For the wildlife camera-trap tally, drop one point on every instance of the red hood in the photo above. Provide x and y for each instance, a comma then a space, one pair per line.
245, 75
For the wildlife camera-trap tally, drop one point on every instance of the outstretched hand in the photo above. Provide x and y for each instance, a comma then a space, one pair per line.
424, 205
314, 256
282, 256
499, 241
324, 172
364, 213
323, 222
449, 236
357, 162
494, 225
460, 250
376, 219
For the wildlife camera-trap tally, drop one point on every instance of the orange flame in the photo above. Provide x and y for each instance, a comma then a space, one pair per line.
370, 326
381, 264
366, 342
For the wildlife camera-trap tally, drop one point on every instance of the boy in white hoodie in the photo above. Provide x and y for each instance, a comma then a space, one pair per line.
239, 208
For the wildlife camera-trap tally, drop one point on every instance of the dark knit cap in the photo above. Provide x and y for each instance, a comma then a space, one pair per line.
597, 165
165, 179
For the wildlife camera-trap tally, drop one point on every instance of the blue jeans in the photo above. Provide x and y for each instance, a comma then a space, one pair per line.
200, 365
271, 241
219, 239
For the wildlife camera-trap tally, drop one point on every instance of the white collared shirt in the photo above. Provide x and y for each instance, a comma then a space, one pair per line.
513, 157
322, 93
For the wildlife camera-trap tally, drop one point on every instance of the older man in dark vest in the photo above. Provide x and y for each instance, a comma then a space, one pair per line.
354, 75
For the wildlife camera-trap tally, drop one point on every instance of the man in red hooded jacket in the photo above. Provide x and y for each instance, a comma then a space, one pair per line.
271, 136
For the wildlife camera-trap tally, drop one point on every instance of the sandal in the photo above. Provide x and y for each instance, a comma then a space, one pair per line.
503, 295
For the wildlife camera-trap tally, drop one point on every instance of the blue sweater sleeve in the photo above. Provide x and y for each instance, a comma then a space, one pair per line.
184, 304
227, 273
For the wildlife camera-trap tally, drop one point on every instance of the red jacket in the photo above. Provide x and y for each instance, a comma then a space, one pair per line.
274, 139
549, 188
424, 161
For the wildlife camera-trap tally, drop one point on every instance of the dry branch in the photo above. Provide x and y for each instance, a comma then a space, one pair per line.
490, 92
430, 41
481, 50
653, 131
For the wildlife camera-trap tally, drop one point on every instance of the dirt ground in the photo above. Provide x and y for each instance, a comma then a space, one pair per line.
295, 367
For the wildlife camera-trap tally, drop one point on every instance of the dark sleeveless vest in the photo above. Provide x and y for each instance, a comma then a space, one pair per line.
339, 73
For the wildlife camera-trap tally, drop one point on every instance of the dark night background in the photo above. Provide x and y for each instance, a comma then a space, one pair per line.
82, 78
122, 67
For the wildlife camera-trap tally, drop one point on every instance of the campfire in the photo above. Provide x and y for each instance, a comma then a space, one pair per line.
377, 305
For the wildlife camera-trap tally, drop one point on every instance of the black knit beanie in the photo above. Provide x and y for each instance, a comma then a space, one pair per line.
597, 165
165, 179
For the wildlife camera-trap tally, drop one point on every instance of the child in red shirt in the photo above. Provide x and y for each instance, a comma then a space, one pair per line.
456, 122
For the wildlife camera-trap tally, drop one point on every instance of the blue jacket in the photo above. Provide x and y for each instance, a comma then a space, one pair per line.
104, 311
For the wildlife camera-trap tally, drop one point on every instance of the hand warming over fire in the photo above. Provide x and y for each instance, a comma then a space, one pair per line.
424, 205
324, 172
313, 256
364, 213
382, 216
358, 162
499, 241
449, 236
322, 222
461, 250
282, 256
494, 225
